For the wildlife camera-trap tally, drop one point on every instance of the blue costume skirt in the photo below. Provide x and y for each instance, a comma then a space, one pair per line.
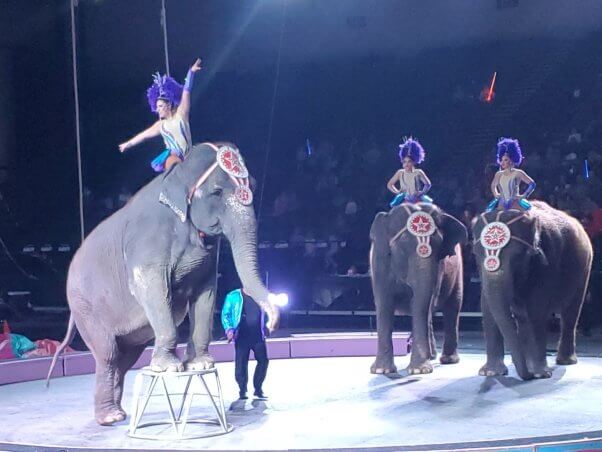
402, 197
158, 162
523, 203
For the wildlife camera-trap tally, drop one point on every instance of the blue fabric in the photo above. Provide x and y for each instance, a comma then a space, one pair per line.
158, 162
232, 310
20, 345
523, 203
397, 200
493, 205
400, 198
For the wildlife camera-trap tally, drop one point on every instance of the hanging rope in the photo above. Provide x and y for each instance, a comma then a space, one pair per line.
77, 127
164, 25
273, 109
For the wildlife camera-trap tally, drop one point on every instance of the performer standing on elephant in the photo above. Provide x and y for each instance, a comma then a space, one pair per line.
171, 101
413, 183
244, 322
506, 182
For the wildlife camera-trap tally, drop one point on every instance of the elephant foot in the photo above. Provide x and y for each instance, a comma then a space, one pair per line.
202, 362
165, 361
449, 359
493, 369
569, 360
433, 355
541, 374
383, 366
110, 416
424, 368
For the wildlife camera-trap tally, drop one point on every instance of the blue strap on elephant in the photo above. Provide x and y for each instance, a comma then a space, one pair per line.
232, 310
400, 198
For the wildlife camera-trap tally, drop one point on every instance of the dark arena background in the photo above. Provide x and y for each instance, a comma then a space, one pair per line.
317, 95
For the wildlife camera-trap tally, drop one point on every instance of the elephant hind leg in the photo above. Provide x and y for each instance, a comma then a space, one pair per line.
568, 331
451, 320
103, 345
127, 357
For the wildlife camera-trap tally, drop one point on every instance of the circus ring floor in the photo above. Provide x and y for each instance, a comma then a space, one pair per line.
322, 398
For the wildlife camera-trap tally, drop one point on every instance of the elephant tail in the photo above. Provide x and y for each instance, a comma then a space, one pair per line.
68, 338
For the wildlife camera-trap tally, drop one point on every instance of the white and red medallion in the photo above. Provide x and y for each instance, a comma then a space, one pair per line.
244, 195
494, 237
424, 249
491, 263
422, 226
230, 160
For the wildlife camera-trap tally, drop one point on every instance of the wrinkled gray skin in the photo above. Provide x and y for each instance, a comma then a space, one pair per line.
549, 276
141, 270
404, 282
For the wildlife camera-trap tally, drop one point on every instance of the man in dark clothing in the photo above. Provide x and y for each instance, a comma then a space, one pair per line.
244, 323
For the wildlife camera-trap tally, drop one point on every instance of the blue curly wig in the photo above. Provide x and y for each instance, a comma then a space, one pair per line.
413, 149
166, 88
510, 147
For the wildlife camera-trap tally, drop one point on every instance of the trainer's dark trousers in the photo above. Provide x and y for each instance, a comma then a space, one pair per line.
241, 371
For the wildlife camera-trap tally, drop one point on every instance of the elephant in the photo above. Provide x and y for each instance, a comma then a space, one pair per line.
140, 271
416, 268
532, 264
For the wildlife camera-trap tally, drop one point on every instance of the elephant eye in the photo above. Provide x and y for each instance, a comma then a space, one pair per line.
217, 191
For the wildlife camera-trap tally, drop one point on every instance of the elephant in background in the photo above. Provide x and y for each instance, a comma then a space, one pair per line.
416, 268
532, 264
140, 271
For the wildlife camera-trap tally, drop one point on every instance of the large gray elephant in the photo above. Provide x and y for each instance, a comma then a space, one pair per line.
532, 264
416, 268
142, 269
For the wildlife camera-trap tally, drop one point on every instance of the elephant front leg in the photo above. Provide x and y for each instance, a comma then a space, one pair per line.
152, 288
421, 346
201, 325
494, 342
384, 362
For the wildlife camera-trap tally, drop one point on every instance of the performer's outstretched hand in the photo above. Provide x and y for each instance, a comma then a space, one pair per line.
196, 66
124, 146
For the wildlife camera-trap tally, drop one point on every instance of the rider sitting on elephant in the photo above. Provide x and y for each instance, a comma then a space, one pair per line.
410, 178
171, 101
506, 182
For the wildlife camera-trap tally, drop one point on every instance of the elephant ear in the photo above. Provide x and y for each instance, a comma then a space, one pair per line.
378, 232
454, 233
174, 193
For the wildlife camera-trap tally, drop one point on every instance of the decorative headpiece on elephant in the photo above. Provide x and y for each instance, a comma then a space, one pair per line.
532, 264
140, 271
416, 267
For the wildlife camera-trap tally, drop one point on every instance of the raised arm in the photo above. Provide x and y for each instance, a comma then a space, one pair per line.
524, 177
184, 107
152, 131
391, 184
426, 183
494, 184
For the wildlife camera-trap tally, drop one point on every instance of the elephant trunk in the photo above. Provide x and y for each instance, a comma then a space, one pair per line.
500, 295
242, 235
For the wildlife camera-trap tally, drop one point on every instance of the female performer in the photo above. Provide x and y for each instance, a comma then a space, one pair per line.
506, 182
171, 102
413, 183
